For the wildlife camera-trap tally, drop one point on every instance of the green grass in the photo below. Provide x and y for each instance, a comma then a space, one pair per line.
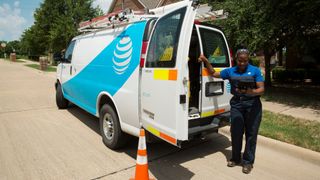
292, 130
37, 66
19, 61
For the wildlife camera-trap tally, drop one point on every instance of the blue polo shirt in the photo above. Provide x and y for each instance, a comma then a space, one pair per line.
251, 74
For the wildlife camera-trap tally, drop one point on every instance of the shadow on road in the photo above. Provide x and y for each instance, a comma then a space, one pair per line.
165, 160
86, 118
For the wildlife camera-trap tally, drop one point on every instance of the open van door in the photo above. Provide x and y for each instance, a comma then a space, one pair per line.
164, 86
215, 92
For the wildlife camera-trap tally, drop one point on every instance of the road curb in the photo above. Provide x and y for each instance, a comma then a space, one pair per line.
292, 150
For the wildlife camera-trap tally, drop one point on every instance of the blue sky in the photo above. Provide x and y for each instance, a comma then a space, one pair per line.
17, 15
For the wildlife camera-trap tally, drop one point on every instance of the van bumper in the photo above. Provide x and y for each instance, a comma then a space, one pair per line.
201, 127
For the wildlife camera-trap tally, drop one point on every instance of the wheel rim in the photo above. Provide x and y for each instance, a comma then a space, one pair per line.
108, 126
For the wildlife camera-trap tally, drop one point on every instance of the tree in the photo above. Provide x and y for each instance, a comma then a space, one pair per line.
269, 25
55, 24
247, 25
11, 47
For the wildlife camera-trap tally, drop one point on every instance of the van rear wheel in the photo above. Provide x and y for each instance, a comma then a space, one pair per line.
110, 129
61, 102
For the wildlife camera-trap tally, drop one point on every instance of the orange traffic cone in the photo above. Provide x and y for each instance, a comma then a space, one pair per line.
142, 160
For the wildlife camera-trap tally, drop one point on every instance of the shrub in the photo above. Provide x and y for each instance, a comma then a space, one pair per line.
255, 61
314, 75
295, 74
280, 74
21, 56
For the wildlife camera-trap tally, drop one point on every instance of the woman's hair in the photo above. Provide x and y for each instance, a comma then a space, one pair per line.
242, 51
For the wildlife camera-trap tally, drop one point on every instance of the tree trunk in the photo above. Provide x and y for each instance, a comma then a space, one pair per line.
267, 57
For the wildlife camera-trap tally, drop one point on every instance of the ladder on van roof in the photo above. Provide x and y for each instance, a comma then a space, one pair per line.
118, 18
122, 17
107, 20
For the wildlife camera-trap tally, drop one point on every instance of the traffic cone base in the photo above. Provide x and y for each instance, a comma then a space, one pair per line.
141, 172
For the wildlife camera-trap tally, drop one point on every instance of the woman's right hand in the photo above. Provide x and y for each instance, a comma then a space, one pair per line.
202, 58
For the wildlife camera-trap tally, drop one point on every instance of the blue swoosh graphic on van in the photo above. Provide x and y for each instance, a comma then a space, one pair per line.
108, 71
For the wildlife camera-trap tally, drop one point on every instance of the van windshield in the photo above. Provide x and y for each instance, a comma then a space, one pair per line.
214, 48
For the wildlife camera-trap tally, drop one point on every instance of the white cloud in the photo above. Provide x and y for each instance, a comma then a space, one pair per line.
11, 21
103, 4
16, 4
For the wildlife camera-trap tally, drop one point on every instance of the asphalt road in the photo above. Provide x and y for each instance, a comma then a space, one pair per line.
38, 141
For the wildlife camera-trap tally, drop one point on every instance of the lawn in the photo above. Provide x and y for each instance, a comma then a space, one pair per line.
37, 66
292, 130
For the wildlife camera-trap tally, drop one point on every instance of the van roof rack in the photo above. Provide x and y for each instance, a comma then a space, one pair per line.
120, 17
123, 17
104, 21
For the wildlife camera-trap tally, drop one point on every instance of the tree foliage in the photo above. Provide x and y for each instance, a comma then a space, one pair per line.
270, 25
12, 46
55, 24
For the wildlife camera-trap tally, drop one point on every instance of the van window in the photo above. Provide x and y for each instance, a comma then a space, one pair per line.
68, 54
164, 42
214, 47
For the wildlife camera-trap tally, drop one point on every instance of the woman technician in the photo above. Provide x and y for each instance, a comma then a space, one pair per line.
246, 108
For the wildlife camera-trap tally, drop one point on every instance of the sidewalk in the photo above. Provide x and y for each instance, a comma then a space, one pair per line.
26, 62
298, 112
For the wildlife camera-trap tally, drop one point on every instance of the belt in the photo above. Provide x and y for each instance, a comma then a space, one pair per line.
245, 98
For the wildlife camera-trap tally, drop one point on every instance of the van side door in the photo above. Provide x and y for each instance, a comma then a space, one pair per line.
215, 92
164, 86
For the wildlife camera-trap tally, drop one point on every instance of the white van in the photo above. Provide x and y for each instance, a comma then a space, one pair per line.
144, 72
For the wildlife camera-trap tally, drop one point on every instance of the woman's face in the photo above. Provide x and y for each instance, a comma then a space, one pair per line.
242, 61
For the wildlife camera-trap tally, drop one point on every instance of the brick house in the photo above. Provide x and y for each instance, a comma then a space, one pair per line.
138, 4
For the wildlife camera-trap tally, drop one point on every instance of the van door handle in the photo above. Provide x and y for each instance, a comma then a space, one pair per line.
185, 84
70, 70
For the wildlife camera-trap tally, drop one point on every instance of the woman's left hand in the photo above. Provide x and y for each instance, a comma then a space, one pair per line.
250, 91
246, 91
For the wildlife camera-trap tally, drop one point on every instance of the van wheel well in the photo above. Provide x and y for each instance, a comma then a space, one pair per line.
56, 84
106, 100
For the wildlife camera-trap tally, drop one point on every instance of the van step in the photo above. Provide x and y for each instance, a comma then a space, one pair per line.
194, 116
197, 129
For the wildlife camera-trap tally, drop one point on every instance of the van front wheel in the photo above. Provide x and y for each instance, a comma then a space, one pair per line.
61, 102
110, 129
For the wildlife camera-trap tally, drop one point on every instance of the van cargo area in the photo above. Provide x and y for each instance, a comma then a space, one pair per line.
198, 126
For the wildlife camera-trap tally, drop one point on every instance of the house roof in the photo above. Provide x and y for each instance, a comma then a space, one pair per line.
150, 3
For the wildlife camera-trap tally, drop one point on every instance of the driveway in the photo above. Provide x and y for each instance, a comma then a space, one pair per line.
38, 141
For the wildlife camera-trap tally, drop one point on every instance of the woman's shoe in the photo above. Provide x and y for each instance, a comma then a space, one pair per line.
247, 168
232, 163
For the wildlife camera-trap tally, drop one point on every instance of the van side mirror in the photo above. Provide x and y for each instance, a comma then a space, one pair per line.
58, 57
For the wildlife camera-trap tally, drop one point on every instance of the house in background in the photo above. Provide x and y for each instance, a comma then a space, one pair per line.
138, 4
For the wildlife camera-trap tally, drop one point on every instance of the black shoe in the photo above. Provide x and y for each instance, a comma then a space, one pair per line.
232, 163
247, 168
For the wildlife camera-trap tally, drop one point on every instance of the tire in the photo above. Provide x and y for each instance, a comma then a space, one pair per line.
110, 129
61, 102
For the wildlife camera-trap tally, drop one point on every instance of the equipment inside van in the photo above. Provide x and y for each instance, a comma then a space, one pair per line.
134, 69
